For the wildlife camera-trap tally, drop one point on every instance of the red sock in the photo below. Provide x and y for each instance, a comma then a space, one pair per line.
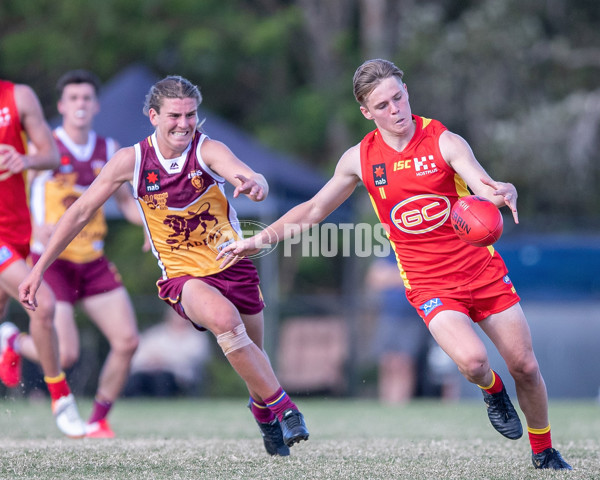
540, 439
495, 386
279, 403
57, 386
261, 412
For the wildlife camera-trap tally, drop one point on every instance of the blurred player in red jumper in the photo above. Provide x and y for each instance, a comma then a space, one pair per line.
414, 170
82, 274
22, 121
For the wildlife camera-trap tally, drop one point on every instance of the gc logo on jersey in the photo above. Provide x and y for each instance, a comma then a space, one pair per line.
421, 213
152, 180
379, 175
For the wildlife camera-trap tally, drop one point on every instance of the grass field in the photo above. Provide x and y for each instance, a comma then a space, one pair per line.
217, 439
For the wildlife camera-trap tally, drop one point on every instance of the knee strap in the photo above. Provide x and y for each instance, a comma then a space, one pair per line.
234, 339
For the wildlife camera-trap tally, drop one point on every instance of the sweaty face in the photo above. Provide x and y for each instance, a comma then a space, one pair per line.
175, 125
78, 105
388, 106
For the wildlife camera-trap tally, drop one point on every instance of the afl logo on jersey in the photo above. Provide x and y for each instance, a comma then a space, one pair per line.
421, 213
152, 180
379, 175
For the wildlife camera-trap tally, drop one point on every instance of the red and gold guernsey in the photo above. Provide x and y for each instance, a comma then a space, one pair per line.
53, 191
412, 192
15, 224
184, 207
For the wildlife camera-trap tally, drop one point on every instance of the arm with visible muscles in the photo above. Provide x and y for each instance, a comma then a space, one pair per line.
304, 215
44, 153
221, 160
458, 155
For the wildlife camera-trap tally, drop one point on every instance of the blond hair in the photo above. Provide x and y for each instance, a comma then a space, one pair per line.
370, 74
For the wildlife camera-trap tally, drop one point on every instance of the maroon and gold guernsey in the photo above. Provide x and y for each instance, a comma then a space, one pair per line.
15, 224
184, 207
53, 191
412, 192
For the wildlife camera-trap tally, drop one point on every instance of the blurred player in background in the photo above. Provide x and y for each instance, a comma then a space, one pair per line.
22, 120
178, 174
170, 360
82, 274
414, 170
402, 344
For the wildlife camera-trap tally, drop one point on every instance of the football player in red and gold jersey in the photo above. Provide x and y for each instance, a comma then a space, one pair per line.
414, 170
22, 121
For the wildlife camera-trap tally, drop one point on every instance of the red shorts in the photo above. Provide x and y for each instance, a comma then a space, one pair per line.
238, 283
478, 301
11, 253
72, 282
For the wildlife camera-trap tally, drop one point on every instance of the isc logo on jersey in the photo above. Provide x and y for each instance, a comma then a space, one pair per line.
421, 213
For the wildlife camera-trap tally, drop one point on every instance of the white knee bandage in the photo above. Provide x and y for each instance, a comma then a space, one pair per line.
234, 339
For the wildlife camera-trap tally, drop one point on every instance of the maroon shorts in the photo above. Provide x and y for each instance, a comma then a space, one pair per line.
490, 295
11, 253
238, 283
72, 281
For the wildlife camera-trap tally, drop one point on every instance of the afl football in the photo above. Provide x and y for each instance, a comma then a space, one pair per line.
476, 220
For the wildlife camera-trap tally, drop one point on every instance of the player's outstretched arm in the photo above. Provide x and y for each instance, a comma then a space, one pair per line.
458, 154
223, 161
304, 215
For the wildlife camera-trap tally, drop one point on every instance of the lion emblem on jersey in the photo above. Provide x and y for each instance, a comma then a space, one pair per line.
184, 226
198, 183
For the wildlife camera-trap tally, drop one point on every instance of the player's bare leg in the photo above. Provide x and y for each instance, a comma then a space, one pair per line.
44, 336
267, 421
207, 307
113, 314
510, 334
454, 332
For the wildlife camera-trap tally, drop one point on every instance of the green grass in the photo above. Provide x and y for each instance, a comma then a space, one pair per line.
217, 439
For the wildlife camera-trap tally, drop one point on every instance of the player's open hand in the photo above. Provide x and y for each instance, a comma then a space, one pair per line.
508, 192
249, 187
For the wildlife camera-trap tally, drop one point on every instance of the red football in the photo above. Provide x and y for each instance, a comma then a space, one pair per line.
476, 220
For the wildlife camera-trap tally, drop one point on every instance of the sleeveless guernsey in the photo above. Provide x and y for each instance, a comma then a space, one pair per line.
412, 192
15, 224
184, 208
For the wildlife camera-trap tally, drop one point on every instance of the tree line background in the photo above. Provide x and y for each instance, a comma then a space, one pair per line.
518, 78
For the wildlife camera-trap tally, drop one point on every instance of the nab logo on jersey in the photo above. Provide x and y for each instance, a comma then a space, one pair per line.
65, 165
379, 175
152, 180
